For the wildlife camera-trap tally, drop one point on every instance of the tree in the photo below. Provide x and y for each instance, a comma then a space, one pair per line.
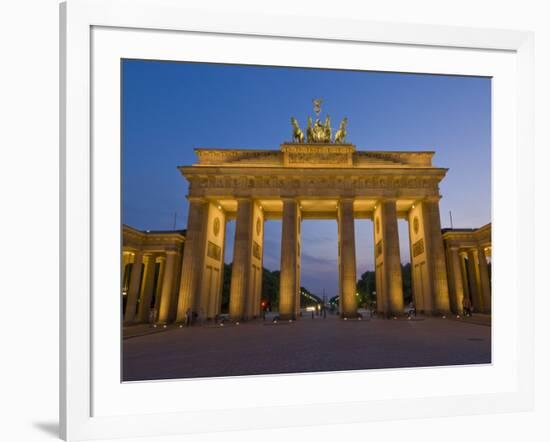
407, 282
270, 289
226, 287
367, 285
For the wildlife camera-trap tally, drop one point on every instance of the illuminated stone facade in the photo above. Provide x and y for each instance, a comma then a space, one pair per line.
151, 267
298, 182
311, 181
469, 261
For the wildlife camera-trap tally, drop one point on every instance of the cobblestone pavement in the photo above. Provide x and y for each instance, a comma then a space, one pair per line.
307, 345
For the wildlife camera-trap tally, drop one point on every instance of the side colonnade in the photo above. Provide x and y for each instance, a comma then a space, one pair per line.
468, 254
151, 263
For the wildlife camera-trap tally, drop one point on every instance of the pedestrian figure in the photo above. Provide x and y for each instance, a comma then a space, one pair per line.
412, 310
152, 316
188, 317
467, 306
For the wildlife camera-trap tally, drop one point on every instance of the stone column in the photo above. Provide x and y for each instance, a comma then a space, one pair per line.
133, 290
436, 255
456, 281
126, 257
193, 257
289, 252
392, 258
147, 289
240, 274
161, 261
484, 280
464, 273
348, 299
167, 286
473, 273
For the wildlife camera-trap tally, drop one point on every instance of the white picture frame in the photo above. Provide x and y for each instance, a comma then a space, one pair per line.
81, 379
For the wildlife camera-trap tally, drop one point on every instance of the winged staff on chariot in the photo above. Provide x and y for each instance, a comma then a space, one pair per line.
318, 132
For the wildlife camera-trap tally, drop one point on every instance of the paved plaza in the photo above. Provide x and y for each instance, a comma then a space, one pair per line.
307, 345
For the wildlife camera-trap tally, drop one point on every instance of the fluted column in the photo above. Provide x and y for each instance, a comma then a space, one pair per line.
436, 256
473, 273
147, 289
484, 280
193, 257
456, 274
133, 290
240, 274
167, 286
161, 261
464, 273
289, 244
347, 259
392, 257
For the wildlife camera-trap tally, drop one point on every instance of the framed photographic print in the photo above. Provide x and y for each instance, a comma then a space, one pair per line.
253, 207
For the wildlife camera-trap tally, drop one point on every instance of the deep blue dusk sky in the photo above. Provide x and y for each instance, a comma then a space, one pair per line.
171, 108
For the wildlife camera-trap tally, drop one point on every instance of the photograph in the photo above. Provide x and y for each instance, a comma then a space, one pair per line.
280, 220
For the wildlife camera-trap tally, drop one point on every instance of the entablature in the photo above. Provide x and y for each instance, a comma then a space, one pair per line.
275, 182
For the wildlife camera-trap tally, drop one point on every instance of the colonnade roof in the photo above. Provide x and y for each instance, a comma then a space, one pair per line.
468, 238
154, 241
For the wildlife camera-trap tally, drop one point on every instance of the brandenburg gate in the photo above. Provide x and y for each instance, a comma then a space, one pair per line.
313, 177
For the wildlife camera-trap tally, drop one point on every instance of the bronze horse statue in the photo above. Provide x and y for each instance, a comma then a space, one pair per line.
328, 130
340, 137
309, 131
297, 134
